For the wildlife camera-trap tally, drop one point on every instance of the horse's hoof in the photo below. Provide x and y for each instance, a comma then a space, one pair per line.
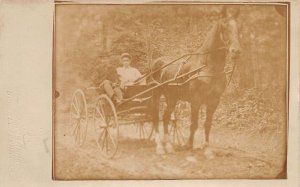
209, 153
169, 148
160, 150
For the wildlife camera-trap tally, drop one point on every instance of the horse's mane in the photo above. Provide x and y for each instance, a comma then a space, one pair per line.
209, 40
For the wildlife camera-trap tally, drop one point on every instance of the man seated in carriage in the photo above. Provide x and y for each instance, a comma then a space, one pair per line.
127, 76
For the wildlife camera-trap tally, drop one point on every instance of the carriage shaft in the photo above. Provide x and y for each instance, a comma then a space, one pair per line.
162, 84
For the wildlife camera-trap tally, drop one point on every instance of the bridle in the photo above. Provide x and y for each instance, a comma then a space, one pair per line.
227, 46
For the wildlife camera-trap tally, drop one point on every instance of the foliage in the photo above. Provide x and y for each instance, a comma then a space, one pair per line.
90, 38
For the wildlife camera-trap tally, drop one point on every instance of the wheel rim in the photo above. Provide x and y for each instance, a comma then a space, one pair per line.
178, 133
106, 126
78, 117
144, 130
178, 128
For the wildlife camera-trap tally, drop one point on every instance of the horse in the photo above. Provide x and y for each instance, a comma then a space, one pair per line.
222, 41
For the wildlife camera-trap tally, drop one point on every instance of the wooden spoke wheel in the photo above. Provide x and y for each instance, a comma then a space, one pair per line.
178, 128
178, 133
144, 130
78, 117
106, 126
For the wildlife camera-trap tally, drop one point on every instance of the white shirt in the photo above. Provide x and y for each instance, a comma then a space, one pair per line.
129, 75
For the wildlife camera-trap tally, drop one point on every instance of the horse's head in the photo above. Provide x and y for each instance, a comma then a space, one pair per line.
229, 29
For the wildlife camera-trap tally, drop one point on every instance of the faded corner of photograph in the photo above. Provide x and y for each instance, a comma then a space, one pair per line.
170, 91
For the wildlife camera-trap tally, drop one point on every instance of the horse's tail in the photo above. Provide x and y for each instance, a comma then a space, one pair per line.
157, 68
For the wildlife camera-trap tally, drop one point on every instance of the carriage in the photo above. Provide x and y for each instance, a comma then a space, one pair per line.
107, 117
221, 42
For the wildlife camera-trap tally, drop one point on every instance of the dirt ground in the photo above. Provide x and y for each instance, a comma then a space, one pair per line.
240, 152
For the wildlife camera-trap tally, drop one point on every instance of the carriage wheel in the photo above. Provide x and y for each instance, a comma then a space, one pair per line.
179, 129
106, 126
144, 130
178, 133
78, 117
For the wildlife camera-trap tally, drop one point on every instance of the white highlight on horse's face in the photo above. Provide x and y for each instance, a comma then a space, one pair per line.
234, 44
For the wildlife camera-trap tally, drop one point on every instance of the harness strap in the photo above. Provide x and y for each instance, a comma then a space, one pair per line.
231, 75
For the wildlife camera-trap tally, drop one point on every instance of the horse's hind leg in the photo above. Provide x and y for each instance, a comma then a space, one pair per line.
155, 118
195, 106
171, 103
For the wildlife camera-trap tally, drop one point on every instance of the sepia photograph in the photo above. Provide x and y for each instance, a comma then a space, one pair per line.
170, 91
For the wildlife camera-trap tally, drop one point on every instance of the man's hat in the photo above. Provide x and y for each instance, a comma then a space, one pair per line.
125, 55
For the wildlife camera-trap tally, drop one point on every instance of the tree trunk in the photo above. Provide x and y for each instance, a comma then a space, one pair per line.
104, 38
149, 52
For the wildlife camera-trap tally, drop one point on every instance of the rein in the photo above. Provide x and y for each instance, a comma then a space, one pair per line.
231, 75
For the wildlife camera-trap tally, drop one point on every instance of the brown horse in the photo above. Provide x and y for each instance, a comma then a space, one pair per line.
222, 40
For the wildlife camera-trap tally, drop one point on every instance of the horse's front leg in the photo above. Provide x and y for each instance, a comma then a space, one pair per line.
210, 110
195, 106
155, 119
166, 120
212, 105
